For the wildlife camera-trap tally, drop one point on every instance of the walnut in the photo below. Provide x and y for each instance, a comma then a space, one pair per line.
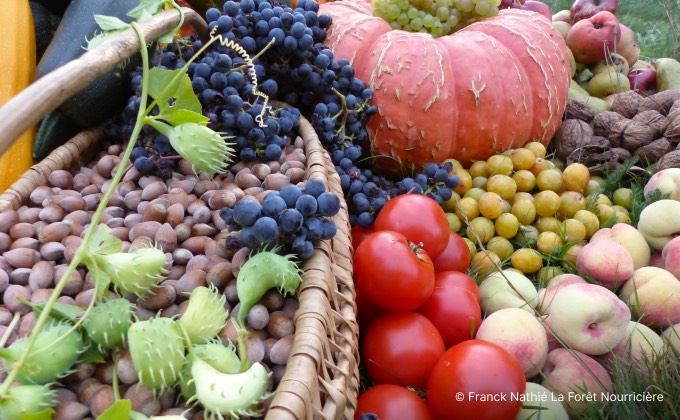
660, 102
672, 131
579, 110
674, 107
572, 135
603, 122
597, 159
654, 119
600, 141
630, 134
653, 151
669, 160
624, 154
626, 103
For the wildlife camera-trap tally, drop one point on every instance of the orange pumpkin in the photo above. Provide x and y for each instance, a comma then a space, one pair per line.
494, 85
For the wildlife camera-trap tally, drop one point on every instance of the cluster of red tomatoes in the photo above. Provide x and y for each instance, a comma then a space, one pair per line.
419, 312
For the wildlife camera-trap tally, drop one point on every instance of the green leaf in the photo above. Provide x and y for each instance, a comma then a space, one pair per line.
166, 38
181, 116
102, 283
110, 23
91, 355
136, 415
103, 243
146, 8
99, 38
118, 410
46, 414
60, 311
172, 86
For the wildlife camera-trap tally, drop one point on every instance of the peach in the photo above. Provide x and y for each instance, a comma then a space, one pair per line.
606, 261
553, 342
546, 295
630, 238
653, 295
667, 181
589, 318
656, 260
671, 338
572, 373
507, 289
670, 255
541, 403
659, 223
640, 346
521, 334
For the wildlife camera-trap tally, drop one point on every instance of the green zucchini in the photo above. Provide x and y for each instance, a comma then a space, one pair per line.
54, 129
100, 100
55, 6
45, 23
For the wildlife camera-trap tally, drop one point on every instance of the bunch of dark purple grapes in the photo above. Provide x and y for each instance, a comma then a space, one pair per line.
290, 220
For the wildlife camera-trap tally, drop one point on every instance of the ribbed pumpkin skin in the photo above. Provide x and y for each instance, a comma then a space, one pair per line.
17, 69
495, 85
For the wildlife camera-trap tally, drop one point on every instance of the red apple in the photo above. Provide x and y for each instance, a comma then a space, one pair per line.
539, 7
584, 9
642, 80
592, 39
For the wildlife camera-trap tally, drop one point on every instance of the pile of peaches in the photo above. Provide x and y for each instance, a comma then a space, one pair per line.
624, 301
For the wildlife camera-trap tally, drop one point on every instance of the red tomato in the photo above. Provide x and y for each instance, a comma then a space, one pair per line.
455, 257
392, 402
359, 233
419, 218
469, 377
453, 310
401, 348
390, 274
459, 279
366, 311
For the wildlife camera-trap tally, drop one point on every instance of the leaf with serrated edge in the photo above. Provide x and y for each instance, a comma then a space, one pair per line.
116, 411
110, 23
99, 38
163, 88
147, 7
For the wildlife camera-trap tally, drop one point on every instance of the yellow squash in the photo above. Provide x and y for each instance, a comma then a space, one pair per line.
17, 69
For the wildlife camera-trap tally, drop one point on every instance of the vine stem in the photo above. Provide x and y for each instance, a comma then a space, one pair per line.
83, 249
114, 384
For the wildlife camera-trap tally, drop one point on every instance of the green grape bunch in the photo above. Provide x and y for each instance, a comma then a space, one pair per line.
436, 17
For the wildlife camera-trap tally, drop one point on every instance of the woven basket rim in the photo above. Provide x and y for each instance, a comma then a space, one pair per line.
321, 380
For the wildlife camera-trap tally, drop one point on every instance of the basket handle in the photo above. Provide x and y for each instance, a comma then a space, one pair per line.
46, 94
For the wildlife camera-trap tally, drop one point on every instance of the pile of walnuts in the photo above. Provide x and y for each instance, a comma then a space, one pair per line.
646, 126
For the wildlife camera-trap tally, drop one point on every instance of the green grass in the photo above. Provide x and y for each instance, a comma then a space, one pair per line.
659, 378
656, 24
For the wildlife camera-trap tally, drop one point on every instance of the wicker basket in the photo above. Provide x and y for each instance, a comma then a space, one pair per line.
321, 380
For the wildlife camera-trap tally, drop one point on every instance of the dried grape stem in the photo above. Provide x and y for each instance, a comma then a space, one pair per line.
9, 329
